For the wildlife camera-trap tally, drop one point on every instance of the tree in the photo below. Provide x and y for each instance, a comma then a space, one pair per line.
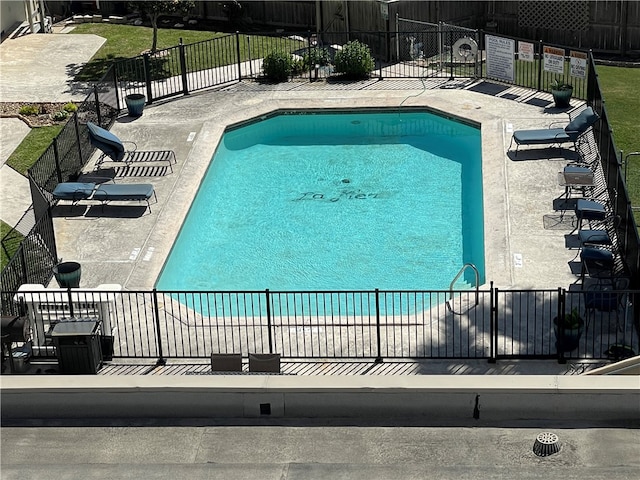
154, 9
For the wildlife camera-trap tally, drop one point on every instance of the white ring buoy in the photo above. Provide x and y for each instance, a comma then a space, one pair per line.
465, 49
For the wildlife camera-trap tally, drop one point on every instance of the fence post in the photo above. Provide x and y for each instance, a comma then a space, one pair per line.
379, 343
56, 156
238, 53
268, 297
98, 114
311, 66
147, 76
115, 86
156, 313
183, 68
450, 39
560, 333
540, 63
24, 264
76, 126
493, 324
70, 302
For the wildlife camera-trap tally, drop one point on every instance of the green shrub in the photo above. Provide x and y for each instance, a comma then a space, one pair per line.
277, 66
29, 110
59, 116
354, 60
298, 67
70, 107
317, 56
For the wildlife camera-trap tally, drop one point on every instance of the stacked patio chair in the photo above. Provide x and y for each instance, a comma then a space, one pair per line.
113, 150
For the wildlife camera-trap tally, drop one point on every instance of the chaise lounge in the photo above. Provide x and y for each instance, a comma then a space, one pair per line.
113, 149
105, 192
550, 136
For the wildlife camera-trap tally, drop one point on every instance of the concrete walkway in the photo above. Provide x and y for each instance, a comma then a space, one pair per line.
35, 68
15, 197
40, 68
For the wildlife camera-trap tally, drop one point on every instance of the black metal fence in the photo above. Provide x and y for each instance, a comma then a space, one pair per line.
610, 160
320, 324
61, 161
71, 149
417, 53
32, 262
490, 324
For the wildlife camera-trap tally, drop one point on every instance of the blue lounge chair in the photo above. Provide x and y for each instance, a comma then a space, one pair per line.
113, 148
73, 191
105, 192
108, 192
550, 136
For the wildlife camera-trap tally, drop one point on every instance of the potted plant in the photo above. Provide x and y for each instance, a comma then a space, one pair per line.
561, 92
135, 104
568, 329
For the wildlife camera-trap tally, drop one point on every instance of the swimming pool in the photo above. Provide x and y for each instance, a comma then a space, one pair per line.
316, 200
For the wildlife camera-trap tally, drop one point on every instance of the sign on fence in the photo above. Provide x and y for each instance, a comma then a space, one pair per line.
553, 60
500, 52
525, 51
578, 64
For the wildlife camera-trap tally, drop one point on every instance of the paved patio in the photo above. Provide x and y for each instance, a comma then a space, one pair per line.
127, 245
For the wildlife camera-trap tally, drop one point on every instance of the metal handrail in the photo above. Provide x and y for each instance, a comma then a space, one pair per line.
464, 267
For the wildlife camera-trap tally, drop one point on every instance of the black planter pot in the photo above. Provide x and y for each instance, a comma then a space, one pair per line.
68, 274
106, 343
567, 339
562, 97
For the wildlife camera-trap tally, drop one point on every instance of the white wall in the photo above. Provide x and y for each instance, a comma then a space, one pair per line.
433, 399
11, 11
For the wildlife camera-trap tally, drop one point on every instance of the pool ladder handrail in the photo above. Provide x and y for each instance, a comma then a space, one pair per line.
464, 267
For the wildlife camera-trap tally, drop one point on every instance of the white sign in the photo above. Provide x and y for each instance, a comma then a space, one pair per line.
578, 64
500, 62
553, 60
525, 51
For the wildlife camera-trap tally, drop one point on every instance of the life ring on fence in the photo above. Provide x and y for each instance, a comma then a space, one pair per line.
464, 48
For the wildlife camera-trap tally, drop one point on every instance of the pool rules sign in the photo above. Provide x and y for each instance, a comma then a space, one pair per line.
578, 64
500, 58
553, 60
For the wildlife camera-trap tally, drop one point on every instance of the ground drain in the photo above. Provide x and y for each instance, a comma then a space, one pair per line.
546, 444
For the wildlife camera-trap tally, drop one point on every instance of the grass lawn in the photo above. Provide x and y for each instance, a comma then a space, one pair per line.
11, 244
33, 145
127, 41
619, 89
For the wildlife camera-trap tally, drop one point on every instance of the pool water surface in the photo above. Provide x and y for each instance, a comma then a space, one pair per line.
335, 201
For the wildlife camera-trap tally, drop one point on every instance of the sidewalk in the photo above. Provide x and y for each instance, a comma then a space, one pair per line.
35, 68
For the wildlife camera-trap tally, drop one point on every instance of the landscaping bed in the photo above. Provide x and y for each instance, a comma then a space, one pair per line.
44, 117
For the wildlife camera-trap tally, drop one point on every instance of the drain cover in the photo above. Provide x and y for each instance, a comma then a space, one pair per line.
546, 444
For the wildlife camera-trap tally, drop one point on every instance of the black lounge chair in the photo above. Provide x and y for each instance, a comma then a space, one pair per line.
113, 149
550, 136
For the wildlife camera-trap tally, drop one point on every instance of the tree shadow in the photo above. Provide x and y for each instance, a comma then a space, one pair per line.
132, 71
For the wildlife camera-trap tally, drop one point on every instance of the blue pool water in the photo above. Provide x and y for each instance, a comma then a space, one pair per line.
335, 201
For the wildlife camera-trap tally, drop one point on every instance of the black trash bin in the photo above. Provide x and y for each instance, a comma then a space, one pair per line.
78, 347
68, 274
135, 104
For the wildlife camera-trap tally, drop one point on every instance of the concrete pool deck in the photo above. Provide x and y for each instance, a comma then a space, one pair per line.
128, 244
